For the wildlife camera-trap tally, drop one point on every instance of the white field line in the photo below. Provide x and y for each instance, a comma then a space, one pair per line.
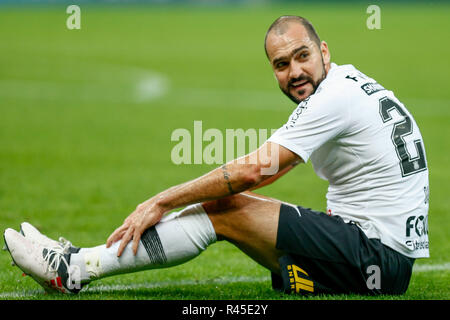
147, 86
431, 267
138, 87
104, 83
93, 288
168, 283
164, 284
123, 84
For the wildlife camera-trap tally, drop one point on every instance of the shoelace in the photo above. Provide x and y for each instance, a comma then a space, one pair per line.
66, 244
54, 256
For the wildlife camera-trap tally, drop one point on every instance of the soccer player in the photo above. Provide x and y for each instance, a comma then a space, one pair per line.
357, 135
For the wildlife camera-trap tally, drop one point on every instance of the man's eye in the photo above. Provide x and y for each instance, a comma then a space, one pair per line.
281, 64
304, 55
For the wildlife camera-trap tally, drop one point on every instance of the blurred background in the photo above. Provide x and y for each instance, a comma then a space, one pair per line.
86, 115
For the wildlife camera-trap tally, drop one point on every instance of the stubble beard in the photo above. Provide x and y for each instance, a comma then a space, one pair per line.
314, 84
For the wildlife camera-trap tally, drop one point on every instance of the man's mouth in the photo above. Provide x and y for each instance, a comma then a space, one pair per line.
297, 89
299, 84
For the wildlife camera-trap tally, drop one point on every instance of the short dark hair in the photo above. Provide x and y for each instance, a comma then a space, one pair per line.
281, 23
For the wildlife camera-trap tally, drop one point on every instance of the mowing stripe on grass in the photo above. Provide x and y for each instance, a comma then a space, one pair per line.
431, 267
98, 287
147, 86
93, 288
99, 83
175, 283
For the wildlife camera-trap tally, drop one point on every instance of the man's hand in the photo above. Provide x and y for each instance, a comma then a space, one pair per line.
146, 215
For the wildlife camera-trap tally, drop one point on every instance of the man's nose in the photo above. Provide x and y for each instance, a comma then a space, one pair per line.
296, 70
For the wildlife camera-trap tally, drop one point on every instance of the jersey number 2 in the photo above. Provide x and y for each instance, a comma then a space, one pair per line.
402, 128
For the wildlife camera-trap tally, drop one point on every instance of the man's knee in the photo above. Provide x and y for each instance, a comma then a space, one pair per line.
225, 212
240, 215
224, 205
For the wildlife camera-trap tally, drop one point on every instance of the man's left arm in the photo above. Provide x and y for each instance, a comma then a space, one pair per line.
245, 173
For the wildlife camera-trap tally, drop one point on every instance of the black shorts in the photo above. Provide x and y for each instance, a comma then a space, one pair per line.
323, 254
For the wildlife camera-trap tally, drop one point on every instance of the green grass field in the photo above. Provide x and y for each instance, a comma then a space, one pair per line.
87, 115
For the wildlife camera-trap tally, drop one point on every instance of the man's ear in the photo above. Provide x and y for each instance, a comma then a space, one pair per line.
325, 53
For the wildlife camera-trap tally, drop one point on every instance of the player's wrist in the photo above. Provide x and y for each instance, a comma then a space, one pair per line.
161, 204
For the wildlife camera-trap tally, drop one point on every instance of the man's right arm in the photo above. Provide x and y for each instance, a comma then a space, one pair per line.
233, 177
278, 175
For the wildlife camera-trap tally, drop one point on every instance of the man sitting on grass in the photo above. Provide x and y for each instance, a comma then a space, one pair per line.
358, 136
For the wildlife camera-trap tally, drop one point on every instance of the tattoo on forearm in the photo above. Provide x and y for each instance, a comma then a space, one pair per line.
226, 176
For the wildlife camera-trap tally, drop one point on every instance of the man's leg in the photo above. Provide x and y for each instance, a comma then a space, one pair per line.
249, 221
177, 238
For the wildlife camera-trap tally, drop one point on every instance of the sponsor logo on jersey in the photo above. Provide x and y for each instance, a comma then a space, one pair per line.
371, 88
417, 226
417, 245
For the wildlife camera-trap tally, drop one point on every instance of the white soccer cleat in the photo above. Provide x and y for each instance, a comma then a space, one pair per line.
48, 266
33, 234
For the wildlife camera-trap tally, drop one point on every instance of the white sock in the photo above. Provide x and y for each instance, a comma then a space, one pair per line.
177, 238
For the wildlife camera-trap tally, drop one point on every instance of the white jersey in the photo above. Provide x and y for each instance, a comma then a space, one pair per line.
364, 141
